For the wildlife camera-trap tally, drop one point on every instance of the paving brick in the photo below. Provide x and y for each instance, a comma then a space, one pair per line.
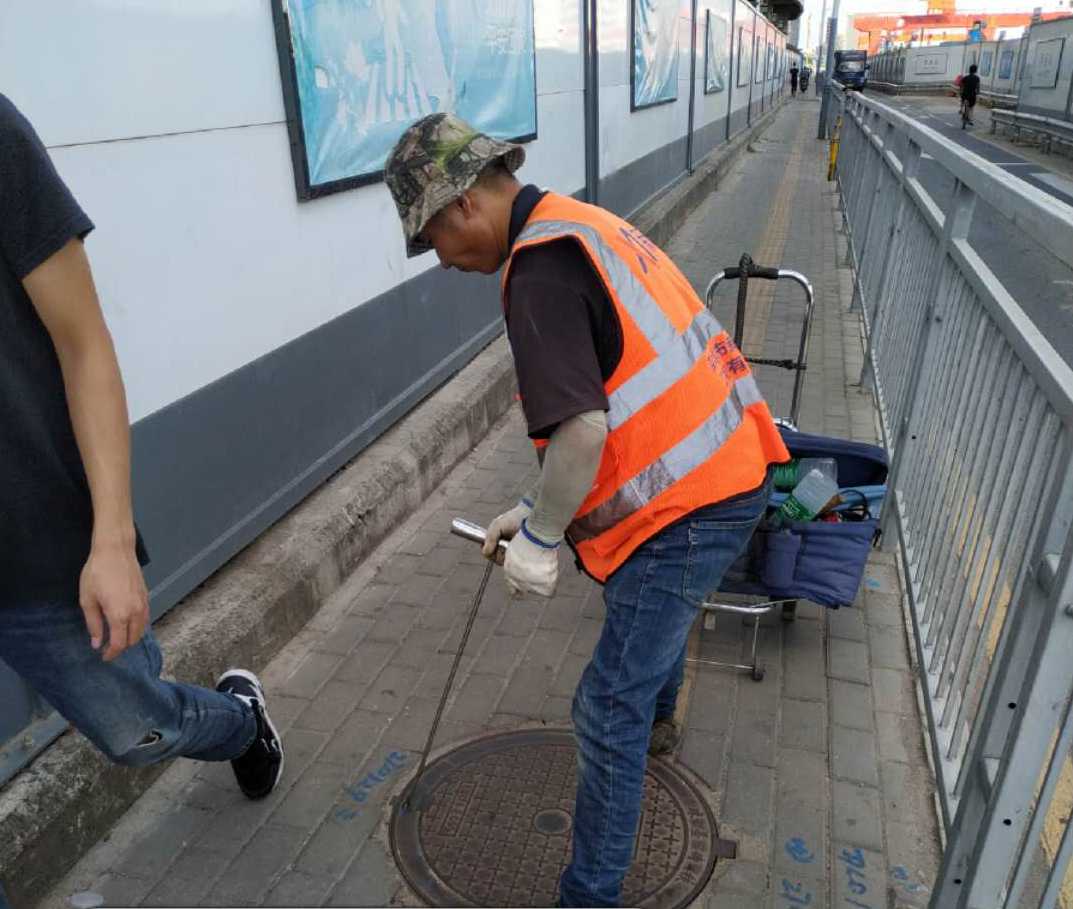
394, 623
159, 845
329, 708
252, 874
520, 619
526, 690
298, 889
747, 800
398, 569
847, 660
884, 609
119, 890
187, 880
361, 667
345, 635
332, 847
568, 676
314, 792
587, 635
556, 711
410, 728
390, 690
851, 705
311, 674
913, 856
711, 708
801, 777
900, 738
371, 881
803, 888
858, 877
442, 560
907, 792
477, 699
421, 543
704, 754
562, 613
547, 648
418, 647
803, 725
888, 647
893, 691
855, 815
853, 755
371, 598
753, 740
420, 590
355, 738
847, 623
738, 877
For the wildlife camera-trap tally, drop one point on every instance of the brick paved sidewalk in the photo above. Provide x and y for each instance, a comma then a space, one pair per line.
818, 772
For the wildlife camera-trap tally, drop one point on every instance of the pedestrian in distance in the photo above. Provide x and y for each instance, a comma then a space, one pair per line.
74, 609
794, 72
969, 90
654, 442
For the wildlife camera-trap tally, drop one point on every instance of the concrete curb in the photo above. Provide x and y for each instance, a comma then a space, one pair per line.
68, 798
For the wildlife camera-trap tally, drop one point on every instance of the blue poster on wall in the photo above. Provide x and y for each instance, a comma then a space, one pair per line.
716, 58
654, 76
356, 73
1005, 64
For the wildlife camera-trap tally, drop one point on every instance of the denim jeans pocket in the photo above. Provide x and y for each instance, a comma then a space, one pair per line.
713, 547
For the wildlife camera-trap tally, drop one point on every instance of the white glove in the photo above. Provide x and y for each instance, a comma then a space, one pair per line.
504, 527
531, 566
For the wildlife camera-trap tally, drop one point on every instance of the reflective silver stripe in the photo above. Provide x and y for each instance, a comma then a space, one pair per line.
676, 353
672, 466
672, 364
644, 311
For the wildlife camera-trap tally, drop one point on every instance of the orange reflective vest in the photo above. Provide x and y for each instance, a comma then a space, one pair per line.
687, 426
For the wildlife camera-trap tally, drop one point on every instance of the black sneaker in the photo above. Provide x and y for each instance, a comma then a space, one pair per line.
260, 766
665, 737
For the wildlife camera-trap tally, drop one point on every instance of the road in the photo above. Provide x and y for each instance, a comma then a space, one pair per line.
1039, 282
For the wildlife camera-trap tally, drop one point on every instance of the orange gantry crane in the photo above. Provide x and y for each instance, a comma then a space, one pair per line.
941, 23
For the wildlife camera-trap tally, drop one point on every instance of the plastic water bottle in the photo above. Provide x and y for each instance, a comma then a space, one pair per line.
808, 499
788, 475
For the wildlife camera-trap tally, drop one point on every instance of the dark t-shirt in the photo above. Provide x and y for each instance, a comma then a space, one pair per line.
46, 514
562, 326
970, 87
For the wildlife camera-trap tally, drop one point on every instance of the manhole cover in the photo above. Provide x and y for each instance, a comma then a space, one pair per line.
495, 825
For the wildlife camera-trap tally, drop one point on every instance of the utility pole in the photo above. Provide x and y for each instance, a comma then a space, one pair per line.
832, 36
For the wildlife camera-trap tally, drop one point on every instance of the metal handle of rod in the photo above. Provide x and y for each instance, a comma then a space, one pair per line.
460, 527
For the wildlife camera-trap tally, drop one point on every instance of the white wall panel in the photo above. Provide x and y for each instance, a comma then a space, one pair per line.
743, 36
93, 70
1053, 38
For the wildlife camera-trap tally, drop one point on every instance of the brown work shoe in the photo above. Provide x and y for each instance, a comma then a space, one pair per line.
665, 737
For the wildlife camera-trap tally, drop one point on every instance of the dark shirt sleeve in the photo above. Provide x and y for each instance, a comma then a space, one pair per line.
39, 214
552, 324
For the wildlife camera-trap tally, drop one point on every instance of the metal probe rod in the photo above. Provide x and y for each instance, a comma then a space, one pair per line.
414, 800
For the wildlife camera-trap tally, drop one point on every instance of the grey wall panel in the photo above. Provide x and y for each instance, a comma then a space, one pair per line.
624, 191
217, 468
739, 120
709, 138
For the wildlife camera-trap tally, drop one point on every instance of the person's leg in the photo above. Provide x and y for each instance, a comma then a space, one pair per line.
651, 603
123, 707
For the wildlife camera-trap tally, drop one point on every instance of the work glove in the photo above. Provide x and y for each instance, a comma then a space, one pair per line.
531, 565
505, 527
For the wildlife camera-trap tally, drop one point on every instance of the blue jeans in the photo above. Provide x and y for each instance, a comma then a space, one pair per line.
636, 671
123, 707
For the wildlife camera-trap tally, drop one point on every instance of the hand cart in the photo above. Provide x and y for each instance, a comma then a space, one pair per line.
821, 562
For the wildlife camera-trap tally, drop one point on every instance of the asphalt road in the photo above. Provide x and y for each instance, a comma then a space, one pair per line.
1039, 282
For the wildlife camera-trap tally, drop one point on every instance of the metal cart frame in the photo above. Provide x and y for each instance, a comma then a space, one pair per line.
745, 270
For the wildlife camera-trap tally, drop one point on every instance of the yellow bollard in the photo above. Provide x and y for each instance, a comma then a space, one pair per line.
832, 160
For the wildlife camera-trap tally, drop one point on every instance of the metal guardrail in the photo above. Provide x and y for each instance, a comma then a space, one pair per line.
977, 412
1046, 129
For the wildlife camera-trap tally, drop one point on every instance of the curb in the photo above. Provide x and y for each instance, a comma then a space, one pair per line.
64, 802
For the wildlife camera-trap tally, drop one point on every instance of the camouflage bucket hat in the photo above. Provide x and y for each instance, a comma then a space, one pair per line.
433, 163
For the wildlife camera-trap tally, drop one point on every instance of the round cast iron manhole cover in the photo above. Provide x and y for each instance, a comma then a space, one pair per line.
495, 819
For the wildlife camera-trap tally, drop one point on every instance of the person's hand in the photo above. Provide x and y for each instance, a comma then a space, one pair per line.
112, 594
504, 528
530, 566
